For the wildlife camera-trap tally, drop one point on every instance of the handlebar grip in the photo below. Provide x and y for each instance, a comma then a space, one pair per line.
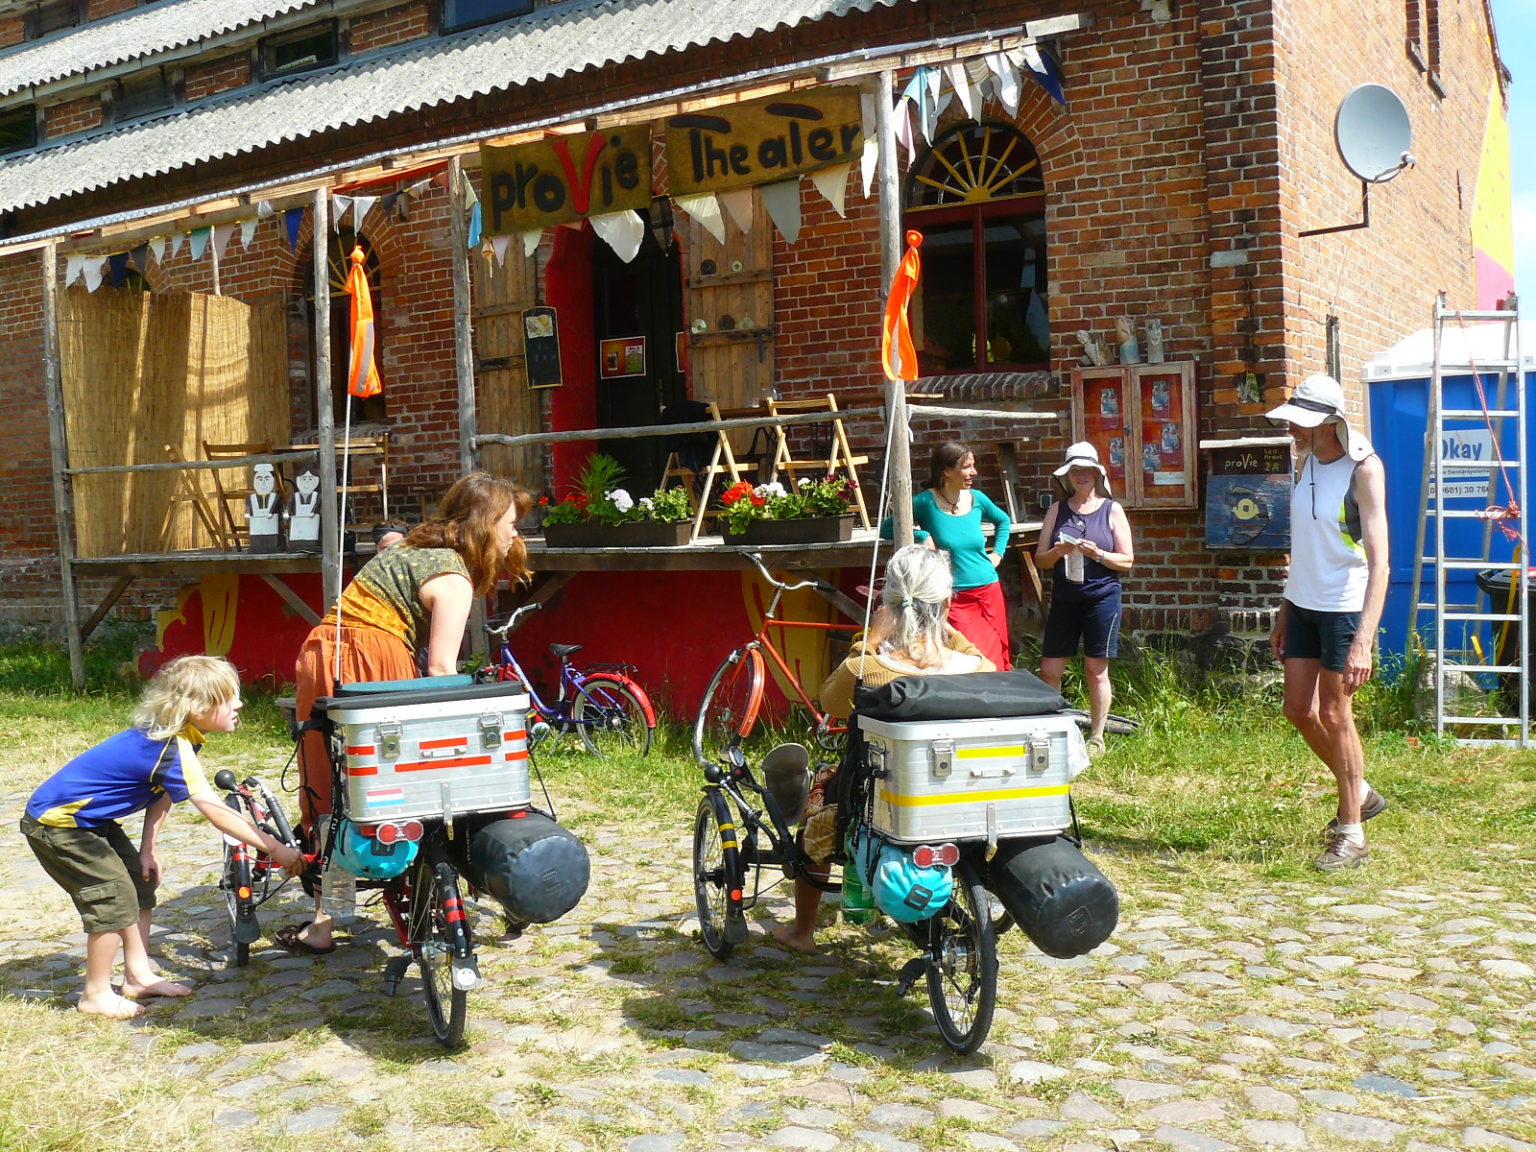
225, 779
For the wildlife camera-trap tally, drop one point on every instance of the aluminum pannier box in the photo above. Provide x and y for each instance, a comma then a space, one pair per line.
433, 751
972, 779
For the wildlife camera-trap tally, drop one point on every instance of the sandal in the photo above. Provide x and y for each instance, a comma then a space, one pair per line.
290, 939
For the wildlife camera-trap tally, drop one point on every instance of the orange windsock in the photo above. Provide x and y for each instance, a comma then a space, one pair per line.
896, 335
362, 373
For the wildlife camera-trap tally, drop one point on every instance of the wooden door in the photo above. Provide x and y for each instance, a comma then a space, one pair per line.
504, 403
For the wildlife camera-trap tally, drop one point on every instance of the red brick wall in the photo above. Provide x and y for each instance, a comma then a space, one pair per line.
214, 76
13, 29
100, 9
73, 116
28, 542
391, 26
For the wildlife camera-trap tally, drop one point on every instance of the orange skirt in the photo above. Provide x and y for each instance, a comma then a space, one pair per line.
366, 654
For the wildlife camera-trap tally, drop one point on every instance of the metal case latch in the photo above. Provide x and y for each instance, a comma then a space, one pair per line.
490, 730
388, 737
943, 758
874, 757
1039, 746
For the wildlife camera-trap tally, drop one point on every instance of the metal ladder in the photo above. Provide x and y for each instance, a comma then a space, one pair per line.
1503, 405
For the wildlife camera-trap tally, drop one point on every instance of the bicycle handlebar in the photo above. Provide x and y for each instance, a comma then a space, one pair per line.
500, 630
757, 560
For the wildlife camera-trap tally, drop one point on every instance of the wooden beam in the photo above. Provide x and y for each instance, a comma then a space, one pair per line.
292, 599
58, 451
463, 304
898, 461
766, 420
105, 606
325, 417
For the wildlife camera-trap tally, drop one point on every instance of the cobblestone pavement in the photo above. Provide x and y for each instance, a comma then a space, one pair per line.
1223, 1014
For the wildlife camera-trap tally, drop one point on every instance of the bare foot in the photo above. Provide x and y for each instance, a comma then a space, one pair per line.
110, 1005
133, 990
787, 937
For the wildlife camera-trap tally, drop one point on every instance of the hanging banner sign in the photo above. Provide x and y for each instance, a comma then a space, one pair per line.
564, 178
763, 141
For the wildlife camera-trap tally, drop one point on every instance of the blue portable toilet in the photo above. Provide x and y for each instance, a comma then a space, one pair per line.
1397, 385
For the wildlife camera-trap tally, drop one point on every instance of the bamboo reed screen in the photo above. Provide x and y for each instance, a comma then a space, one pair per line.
144, 370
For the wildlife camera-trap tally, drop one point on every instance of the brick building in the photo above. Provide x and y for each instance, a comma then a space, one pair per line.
1156, 160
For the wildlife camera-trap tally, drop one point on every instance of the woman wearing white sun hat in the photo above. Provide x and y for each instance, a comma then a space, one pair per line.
1086, 539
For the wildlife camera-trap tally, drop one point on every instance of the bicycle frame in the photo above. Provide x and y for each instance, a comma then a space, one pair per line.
761, 641
569, 687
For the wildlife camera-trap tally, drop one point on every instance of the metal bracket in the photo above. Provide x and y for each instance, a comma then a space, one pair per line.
490, 730
388, 737
943, 758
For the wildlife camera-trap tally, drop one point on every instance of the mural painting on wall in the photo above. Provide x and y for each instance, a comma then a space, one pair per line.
238, 617
564, 178
1493, 231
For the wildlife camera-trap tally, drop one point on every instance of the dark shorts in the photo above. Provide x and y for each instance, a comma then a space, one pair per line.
98, 867
1095, 622
1325, 636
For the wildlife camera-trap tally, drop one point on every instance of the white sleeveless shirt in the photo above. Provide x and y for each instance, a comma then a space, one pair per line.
1328, 568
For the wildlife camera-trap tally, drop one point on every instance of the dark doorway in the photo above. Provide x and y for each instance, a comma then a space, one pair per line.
639, 312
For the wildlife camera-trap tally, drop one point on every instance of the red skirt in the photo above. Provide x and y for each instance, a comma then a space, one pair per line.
981, 616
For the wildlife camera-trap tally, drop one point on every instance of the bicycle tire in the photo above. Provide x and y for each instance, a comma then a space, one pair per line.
447, 1006
716, 873
730, 707
611, 717
235, 877
962, 972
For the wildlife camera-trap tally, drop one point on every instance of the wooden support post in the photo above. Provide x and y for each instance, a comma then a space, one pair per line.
463, 330
111, 598
325, 415
58, 450
891, 241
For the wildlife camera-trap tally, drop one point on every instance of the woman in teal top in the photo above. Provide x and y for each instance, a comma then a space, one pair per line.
947, 516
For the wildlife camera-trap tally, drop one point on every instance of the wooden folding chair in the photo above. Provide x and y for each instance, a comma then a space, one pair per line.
236, 532
839, 456
189, 490
698, 496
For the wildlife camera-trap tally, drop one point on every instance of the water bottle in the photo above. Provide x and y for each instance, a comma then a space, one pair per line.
1074, 566
338, 887
858, 901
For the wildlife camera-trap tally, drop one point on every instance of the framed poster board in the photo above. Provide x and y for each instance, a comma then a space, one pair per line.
621, 356
1141, 418
541, 347
1248, 495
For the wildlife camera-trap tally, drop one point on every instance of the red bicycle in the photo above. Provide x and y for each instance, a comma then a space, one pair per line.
733, 701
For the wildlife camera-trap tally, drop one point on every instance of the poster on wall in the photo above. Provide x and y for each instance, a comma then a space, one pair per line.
541, 347
1248, 497
621, 356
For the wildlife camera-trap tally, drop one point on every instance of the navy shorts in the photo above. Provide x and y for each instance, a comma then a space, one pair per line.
1095, 622
1314, 635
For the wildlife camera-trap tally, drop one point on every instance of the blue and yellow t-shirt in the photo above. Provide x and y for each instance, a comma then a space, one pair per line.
122, 775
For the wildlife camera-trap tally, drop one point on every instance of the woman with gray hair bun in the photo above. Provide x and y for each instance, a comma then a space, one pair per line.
909, 636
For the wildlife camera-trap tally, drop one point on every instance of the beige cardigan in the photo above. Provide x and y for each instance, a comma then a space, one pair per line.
837, 692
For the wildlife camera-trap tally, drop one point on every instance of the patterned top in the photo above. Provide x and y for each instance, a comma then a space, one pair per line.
122, 775
386, 594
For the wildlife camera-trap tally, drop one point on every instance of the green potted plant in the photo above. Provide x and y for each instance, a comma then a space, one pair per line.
810, 511
600, 513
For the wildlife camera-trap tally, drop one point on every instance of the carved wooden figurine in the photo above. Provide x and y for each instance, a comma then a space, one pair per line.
304, 514
264, 511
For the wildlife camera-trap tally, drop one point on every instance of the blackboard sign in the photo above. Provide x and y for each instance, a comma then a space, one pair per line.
1247, 498
541, 347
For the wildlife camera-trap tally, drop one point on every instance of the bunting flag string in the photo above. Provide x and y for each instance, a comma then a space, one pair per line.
705, 208
176, 241
738, 202
293, 220
782, 199
499, 247
157, 247
221, 235
624, 232
92, 269
474, 227
247, 231
832, 183
1042, 70
74, 265
531, 240
117, 263
360, 208
140, 257
197, 240
339, 206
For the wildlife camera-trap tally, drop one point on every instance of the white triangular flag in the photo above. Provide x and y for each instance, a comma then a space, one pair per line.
247, 230
471, 197
624, 232
74, 264
738, 202
176, 239
833, 184
960, 81
264, 209
360, 206
869, 160
980, 76
1009, 83
197, 242
221, 235
499, 246
420, 188
157, 247
92, 269
869, 121
531, 240
783, 203
705, 208
902, 122
339, 206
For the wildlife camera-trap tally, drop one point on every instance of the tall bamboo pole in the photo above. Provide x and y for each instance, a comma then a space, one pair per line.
325, 416
890, 258
463, 331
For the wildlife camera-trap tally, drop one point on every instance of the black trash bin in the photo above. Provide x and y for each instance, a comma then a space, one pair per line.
1506, 634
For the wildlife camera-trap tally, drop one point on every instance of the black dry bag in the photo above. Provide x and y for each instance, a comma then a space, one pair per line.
1054, 892
536, 870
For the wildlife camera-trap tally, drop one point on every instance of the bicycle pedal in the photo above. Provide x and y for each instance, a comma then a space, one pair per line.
736, 929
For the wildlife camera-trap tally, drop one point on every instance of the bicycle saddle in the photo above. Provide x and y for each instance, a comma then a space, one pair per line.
561, 651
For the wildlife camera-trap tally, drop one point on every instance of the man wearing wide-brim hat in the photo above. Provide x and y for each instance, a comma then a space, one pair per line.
1325, 629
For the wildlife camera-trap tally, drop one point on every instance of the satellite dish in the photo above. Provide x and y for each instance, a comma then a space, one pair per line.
1373, 133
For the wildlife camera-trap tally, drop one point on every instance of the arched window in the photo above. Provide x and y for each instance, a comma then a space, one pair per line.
339, 261
978, 198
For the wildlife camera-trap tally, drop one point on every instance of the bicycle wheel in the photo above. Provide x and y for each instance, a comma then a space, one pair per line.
717, 877
236, 882
962, 974
446, 1004
610, 717
730, 707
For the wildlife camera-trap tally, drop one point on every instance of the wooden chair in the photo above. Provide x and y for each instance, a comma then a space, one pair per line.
231, 497
1034, 592
839, 458
366, 450
699, 493
189, 491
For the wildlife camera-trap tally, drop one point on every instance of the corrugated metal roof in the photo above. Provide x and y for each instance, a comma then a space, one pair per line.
142, 32
568, 40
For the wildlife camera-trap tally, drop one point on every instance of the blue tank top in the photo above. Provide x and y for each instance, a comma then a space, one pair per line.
1097, 578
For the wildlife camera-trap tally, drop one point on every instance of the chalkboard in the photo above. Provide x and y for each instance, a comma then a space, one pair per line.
1248, 498
541, 347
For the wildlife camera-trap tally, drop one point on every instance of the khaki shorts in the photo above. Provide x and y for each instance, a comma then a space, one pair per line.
98, 867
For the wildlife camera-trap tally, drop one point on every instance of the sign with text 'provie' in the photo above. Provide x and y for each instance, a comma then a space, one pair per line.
563, 178
761, 141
